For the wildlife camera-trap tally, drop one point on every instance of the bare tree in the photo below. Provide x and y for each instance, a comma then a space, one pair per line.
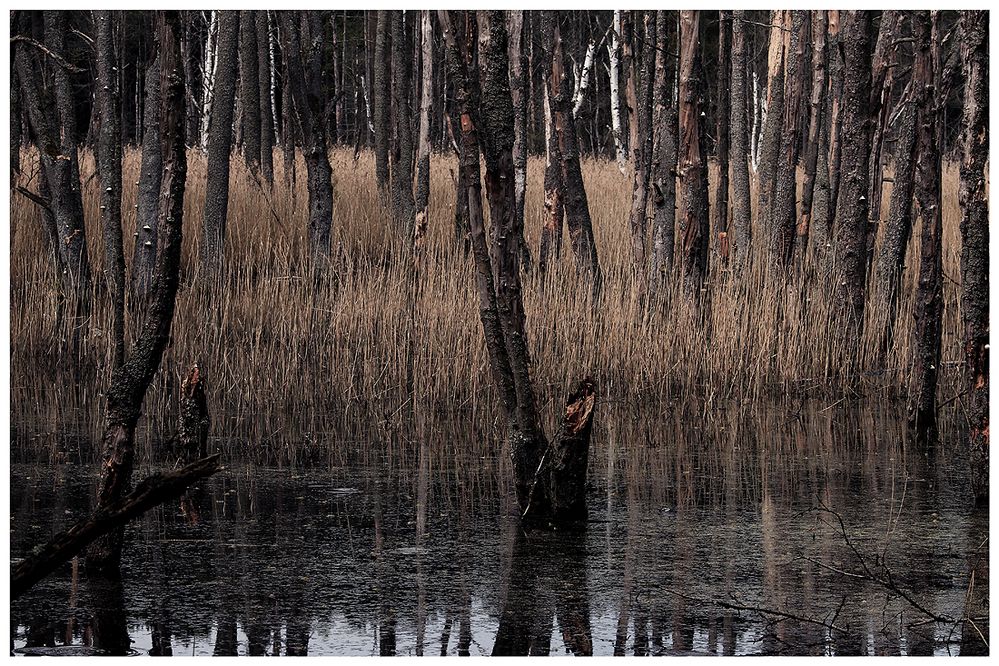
773, 122
426, 106
515, 29
816, 119
402, 146
664, 161
614, 72
130, 380
264, 99
249, 89
975, 238
741, 211
381, 91
694, 222
642, 80
150, 177
216, 209
722, 93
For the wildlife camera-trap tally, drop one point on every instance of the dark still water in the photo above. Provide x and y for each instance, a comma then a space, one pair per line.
721, 539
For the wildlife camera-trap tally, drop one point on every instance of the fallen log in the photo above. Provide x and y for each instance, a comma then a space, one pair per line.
151, 492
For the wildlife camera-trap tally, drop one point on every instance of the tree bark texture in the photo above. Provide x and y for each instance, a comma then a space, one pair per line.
741, 235
249, 89
381, 91
723, 91
694, 221
264, 96
641, 81
816, 120
150, 177
664, 161
402, 146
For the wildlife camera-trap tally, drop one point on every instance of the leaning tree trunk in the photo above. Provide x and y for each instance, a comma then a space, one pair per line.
642, 147
928, 308
220, 146
975, 239
576, 206
851, 209
109, 170
130, 381
249, 89
148, 197
723, 91
381, 90
664, 148
694, 223
741, 206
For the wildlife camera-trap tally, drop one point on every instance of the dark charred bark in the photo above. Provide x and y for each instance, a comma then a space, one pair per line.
851, 209
722, 92
15, 109
304, 55
130, 381
740, 238
150, 175
816, 119
109, 170
151, 492
195, 422
380, 92
402, 146
928, 308
220, 146
664, 161
264, 96
781, 212
249, 89
975, 239
576, 206
694, 222
642, 145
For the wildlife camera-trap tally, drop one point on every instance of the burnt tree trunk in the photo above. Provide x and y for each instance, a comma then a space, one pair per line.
109, 170
380, 92
664, 149
975, 239
216, 209
694, 222
576, 206
249, 89
851, 209
130, 380
741, 235
928, 308
722, 92
641, 83
148, 197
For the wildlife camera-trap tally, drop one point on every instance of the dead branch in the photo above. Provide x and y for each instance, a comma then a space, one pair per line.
62, 62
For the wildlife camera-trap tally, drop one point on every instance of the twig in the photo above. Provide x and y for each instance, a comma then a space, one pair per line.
759, 609
62, 62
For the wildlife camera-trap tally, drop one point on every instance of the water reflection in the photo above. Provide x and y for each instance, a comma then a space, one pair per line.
704, 541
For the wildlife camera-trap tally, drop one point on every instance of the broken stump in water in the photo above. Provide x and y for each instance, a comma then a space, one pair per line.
192, 439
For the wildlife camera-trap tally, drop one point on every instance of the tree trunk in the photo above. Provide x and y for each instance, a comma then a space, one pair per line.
249, 89
380, 96
109, 171
665, 147
781, 213
851, 208
220, 146
928, 308
264, 80
694, 222
577, 210
402, 146
641, 85
975, 239
741, 208
813, 143
426, 105
130, 381
723, 91
773, 122
208, 96
554, 208
515, 29
305, 61
614, 69
148, 197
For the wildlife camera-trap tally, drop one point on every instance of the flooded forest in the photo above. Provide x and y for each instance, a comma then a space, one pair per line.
481, 332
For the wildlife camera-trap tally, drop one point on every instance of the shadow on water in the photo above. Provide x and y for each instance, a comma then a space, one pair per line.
721, 537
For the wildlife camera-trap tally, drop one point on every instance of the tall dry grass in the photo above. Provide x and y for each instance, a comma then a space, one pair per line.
295, 366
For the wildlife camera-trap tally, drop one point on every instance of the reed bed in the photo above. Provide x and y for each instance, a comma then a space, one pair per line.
297, 366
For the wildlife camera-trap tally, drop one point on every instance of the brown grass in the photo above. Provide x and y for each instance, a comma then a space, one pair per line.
294, 367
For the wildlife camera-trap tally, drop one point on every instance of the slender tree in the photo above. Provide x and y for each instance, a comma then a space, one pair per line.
974, 26
150, 177
264, 83
741, 211
380, 92
426, 108
773, 122
402, 145
694, 222
216, 209
642, 80
249, 89
722, 93
130, 380
515, 30
816, 120
664, 161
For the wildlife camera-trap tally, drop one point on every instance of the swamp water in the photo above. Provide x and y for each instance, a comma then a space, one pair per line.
723, 539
